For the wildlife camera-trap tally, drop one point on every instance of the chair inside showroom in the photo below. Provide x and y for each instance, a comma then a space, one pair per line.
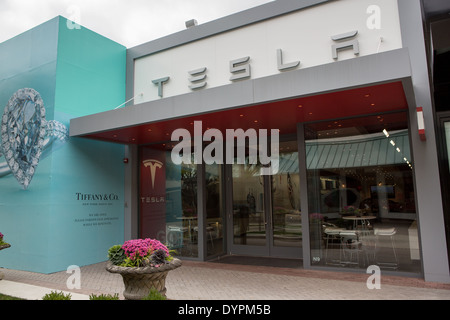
175, 236
332, 235
369, 246
209, 231
351, 246
385, 239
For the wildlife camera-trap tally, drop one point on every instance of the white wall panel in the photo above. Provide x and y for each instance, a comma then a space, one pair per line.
304, 35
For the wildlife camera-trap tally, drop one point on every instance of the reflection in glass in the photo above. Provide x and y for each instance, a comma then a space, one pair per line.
286, 219
168, 201
182, 207
214, 227
248, 205
361, 195
447, 140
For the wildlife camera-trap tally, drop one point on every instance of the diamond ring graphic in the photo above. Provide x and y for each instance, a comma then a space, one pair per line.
26, 135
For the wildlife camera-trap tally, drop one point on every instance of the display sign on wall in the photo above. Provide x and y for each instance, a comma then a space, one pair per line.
306, 38
61, 199
26, 135
152, 199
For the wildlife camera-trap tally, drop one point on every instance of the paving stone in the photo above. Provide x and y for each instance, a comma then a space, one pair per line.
214, 281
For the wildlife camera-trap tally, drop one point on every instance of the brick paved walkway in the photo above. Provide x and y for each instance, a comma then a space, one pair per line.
219, 281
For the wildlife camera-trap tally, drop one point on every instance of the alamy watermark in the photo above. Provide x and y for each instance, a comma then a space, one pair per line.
249, 146
74, 280
374, 20
74, 19
374, 281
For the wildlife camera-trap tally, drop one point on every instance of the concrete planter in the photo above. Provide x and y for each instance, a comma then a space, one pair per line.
139, 281
3, 246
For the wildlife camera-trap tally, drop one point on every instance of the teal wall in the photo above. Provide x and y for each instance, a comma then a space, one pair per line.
91, 72
54, 223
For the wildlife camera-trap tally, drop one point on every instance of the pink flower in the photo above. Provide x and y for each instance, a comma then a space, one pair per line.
140, 248
316, 216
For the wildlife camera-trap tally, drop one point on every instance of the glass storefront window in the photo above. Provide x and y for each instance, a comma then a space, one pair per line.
360, 193
168, 201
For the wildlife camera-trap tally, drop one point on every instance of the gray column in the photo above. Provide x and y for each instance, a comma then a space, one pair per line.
201, 212
131, 193
428, 189
303, 196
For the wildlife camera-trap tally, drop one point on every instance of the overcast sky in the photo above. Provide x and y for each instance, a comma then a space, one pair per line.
129, 22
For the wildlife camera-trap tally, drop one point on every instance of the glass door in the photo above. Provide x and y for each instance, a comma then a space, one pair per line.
286, 223
214, 204
264, 211
249, 215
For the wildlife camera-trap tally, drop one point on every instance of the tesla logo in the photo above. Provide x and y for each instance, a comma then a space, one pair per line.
153, 164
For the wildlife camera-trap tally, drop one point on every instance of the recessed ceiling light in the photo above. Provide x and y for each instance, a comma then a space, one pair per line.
241, 115
255, 121
300, 106
372, 104
367, 95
